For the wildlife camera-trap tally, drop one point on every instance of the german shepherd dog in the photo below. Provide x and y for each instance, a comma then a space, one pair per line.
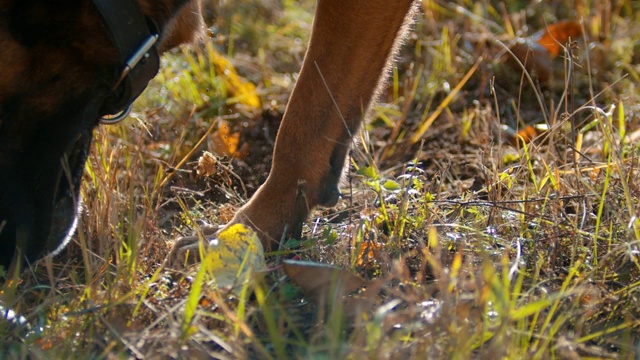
66, 64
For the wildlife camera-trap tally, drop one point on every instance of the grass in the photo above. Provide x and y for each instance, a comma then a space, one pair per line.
481, 245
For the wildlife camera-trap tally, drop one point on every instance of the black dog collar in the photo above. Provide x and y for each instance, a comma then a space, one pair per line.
135, 38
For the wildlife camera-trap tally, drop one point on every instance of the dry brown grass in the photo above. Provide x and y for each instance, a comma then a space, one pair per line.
488, 247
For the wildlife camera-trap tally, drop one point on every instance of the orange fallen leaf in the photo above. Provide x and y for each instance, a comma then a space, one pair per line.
367, 252
537, 52
555, 36
225, 142
526, 135
206, 303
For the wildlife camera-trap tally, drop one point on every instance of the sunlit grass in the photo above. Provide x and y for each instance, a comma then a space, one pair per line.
485, 245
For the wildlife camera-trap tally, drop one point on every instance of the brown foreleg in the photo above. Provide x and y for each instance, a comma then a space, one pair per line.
352, 45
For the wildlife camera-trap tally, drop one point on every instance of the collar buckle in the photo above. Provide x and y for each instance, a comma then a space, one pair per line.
140, 55
135, 38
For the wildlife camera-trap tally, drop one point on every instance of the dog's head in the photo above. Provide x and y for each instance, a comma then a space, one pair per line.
58, 64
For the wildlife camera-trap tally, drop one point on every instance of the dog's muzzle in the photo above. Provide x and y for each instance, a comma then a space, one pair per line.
40, 193
41, 177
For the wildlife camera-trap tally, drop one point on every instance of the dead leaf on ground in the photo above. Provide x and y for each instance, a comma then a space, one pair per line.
537, 52
207, 164
555, 36
225, 142
226, 212
317, 280
368, 252
327, 285
524, 135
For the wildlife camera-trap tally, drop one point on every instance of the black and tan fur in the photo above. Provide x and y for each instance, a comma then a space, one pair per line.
57, 64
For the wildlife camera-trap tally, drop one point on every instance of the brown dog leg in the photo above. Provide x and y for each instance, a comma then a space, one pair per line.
352, 45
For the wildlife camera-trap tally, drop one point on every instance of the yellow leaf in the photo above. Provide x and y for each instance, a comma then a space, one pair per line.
243, 91
234, 255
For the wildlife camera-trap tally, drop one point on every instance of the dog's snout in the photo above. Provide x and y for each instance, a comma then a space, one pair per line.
38, 204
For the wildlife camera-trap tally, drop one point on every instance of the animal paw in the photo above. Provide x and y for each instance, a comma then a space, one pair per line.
186, 250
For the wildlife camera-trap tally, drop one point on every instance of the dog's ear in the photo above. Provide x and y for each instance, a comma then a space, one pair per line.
180, 20
186, 26
53, 22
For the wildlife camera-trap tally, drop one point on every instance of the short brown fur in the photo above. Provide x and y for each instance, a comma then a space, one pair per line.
57, 53
352, 46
